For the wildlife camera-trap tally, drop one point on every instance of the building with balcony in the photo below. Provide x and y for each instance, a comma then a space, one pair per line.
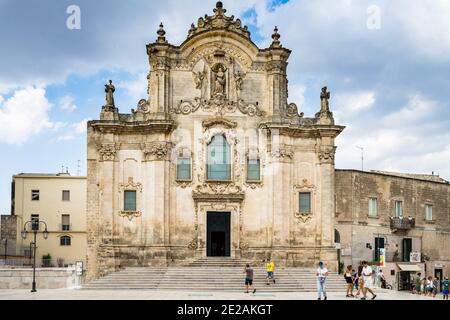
60, 201
407, 215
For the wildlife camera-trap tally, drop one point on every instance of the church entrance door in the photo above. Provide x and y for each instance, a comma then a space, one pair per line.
218, 234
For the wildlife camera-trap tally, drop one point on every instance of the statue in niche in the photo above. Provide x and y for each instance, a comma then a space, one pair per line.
220, 81
324, 97
110, 89
199, 78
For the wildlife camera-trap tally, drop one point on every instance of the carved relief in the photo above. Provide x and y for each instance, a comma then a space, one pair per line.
292, 111
156, 151
327, 155
130, 214
303, 217
131, 185
193, 245
218, 188
283, 152
108, 152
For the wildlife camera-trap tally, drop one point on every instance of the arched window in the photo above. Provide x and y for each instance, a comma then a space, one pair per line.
65, 241
219, 159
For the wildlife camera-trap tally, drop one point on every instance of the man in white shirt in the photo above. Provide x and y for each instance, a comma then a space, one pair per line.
367, 274
322, 274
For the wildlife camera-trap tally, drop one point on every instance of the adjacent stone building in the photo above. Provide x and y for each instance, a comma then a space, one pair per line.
408, 215
214, 162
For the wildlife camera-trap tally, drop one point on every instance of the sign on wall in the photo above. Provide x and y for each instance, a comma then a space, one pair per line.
79, 268
382, 257
414, 257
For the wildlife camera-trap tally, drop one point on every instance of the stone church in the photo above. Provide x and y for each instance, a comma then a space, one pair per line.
215, 162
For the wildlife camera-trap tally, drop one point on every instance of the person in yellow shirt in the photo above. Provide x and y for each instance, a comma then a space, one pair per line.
270, 270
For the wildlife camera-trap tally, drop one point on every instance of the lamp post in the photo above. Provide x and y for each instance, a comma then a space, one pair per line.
34, 228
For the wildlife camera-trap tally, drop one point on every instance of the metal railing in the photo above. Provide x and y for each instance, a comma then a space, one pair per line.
65, 227
401, 223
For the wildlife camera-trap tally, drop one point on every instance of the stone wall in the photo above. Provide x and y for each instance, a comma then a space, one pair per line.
357, 228
21, 278
8, 230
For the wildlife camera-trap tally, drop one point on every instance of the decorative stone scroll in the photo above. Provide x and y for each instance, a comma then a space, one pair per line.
107, 152
193, 245
292, 111
131, 185
130, 214
303, 218
219, 105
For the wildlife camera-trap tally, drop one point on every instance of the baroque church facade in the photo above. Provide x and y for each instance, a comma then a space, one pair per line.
216, 162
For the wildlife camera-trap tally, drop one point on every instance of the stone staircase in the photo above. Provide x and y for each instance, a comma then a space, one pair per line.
213, 275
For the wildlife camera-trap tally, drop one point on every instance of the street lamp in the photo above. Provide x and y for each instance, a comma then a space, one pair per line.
34, 228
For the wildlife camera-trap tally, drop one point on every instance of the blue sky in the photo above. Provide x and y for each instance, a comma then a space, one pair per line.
389, 83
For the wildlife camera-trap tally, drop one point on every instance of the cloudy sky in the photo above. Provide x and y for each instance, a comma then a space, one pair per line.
387, 64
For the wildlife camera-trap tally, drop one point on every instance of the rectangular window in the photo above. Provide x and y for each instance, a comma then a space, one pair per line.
130, 201
379, 244
398, 209
219, 159
373, 207
65, 223
65, 241
305, 202
34, 195
184, 169
429, 212
253, 170
34, 222
66, 195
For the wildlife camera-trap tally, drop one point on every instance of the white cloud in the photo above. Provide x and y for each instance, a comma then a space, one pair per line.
135, 89
81, 127
25, 114
354, 102
65, 138
67, 103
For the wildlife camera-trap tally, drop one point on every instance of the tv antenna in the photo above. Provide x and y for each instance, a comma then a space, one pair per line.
78, 168
362, 157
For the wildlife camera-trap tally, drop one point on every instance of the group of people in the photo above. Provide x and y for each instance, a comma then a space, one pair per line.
270, 267
429, 286
363, 281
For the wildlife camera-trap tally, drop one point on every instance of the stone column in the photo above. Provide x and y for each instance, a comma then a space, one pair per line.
328, 252
157, 197
277, 87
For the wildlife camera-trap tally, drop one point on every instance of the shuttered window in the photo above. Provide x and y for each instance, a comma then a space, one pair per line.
253, 170
130, 201
184, 169
305, 202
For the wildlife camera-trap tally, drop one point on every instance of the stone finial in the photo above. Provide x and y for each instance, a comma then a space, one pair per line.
219, 5
276, 39
219, 10
161, 34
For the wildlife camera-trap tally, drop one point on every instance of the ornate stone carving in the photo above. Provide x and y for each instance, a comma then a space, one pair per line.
219, 105
243, 245
292, 111
107, 152
219, 122
305, 185
193, 245
327, 154
239, 80
218, 188
131, 185
283, 152
219, 20
325, 117
220, 80
199, 78
303, 217
156, 151
130, 214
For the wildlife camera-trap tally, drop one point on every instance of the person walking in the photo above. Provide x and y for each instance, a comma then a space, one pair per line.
429, 286
270, 266
322, 274
249, 278
349, 280
367, 274
360, 283
445, 284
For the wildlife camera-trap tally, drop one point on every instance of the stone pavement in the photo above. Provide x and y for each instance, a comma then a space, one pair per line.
72, 294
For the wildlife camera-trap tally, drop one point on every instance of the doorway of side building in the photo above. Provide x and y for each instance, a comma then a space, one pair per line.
218, 236
439, 274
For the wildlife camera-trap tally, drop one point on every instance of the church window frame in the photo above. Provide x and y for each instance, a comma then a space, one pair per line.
229, 158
